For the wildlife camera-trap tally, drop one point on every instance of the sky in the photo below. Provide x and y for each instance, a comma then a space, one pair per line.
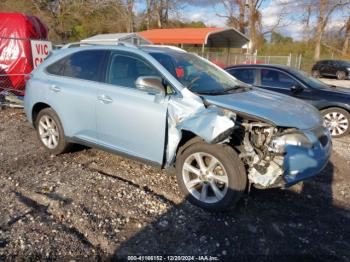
209, 12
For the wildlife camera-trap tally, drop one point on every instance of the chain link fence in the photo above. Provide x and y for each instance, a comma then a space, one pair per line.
226, 59
10, 93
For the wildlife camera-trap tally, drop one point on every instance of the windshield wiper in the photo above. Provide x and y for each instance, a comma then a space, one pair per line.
221, 92
212, 93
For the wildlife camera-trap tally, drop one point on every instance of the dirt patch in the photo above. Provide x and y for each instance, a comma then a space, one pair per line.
92, 205
336, 82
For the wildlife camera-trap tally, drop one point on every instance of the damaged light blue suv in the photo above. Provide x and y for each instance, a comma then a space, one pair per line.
178, 111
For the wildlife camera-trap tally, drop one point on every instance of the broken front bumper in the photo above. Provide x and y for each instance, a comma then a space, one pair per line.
301, 163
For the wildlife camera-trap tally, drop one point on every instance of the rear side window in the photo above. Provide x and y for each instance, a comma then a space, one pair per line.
273, 78
85, 65
245, 75
56, 68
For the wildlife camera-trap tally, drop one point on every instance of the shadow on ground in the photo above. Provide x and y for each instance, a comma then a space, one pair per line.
288, 225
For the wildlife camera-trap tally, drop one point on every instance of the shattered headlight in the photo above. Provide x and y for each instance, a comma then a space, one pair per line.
294, 139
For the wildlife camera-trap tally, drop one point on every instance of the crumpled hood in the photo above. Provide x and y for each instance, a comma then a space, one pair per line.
282, 110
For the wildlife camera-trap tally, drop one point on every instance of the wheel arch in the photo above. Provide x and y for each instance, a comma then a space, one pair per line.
347, 109
36, 109
187, 138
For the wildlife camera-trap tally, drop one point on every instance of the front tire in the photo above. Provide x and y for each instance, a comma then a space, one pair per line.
50, 132
211, 176
337, 120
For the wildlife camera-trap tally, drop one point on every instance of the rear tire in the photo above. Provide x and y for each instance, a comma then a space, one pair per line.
219, 184
315, 74
337, 120
50, 132
341, 75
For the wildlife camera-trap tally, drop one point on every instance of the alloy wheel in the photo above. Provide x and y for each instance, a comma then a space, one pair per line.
48, 132
337, 123
205, 177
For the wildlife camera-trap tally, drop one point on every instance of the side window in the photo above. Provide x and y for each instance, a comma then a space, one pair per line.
273, 78
245, 75
84, 65
124, 70
56, 68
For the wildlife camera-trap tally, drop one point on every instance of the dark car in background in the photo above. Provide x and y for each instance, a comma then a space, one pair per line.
333, 68
333, 102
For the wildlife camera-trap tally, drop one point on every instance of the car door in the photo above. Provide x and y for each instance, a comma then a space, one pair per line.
333, 68
130, 120
327, 68
72, 84
279, 81
276, 80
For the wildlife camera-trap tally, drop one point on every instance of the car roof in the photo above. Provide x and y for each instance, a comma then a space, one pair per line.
272, 66
124, 47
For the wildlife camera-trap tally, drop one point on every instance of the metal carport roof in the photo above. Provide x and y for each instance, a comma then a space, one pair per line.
110, 39
208, 37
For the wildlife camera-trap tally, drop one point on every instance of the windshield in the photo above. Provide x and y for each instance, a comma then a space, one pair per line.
197, 74
309, 80
345, 63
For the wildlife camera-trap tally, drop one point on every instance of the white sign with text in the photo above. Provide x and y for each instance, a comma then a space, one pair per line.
40, 50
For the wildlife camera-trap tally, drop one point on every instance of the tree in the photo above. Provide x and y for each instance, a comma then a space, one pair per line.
306, 21
346, 29
235, 20
277, 38
325, 9
254, 20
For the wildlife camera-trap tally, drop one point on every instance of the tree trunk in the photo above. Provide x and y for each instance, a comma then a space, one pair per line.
158, 11
148, 14
241, 19
130, 7
252, 26
321, 20
307, 24
347, 37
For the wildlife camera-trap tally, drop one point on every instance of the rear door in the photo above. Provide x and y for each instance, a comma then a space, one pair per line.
333, 68
325, 68
246, 75
72, 84
129, 120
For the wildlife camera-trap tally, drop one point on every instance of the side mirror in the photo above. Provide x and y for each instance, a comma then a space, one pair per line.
152, 84
296, 88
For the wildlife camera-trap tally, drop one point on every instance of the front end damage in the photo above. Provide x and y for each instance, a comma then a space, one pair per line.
273, 156
279, 157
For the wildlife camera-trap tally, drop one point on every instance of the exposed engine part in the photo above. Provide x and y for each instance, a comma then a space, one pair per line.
265, 165
265, 176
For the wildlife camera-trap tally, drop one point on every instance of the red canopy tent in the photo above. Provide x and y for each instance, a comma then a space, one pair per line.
16, 31
206, 37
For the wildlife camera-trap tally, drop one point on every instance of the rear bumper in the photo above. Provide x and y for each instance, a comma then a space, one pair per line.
303, 163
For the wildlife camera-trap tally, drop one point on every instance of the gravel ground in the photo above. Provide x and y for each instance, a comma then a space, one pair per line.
336, 82
91, 205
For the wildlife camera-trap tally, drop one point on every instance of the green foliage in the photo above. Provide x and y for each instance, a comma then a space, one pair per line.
277, 38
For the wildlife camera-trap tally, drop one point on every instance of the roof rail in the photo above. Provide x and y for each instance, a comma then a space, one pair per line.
75, 44
78, 44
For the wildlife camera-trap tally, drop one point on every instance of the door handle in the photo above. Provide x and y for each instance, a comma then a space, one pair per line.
105, 99
55, 88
